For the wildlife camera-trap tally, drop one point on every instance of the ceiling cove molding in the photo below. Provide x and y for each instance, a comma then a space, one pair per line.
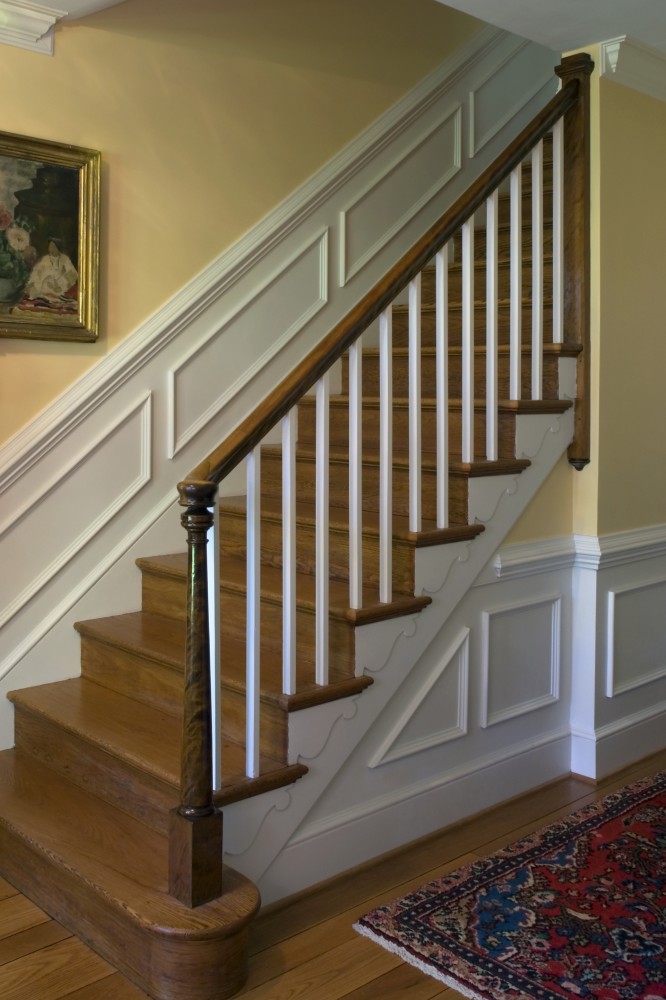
635, 65
32, 25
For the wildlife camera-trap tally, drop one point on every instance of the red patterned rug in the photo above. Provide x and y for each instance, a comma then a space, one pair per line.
577, 910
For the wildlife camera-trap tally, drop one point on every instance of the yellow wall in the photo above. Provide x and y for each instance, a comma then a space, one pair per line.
632, 404
208, 114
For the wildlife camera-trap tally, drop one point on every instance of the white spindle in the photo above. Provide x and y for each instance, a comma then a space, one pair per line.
516, 282
213, 562
321, 542
537, 270
386, 456
355, 476
558, 231
468, 341
491, 327
442, 383
253, 611
289, 553
415, 404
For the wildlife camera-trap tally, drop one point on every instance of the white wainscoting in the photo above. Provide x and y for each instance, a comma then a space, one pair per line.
471, 724
102, 487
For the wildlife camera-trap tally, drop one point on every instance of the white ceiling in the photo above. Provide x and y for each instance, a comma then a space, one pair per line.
571, 24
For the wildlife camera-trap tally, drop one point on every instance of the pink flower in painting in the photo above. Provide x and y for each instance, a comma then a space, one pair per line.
18, 238
6, 217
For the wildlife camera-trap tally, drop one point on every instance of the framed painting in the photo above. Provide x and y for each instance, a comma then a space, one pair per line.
49, 239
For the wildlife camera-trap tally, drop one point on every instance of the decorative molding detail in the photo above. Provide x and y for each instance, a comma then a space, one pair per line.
599, 552
635, 65
494, 83
178, 439
142, 410
640, 631
547, 555
490, 717
442, 172
26, 448
382, 802
31, 25
390, 748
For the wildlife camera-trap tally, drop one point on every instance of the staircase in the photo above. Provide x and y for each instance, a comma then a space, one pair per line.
88, 794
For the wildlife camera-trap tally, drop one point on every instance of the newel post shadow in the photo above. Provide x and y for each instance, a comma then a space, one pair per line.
195, 826
577, 243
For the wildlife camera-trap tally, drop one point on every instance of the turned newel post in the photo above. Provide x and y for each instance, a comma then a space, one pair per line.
578, 68
195, 826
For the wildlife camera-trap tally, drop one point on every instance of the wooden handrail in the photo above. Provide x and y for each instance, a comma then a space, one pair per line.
195, 834
278, 403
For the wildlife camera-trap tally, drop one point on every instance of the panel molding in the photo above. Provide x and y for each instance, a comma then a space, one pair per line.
347, 269
390, 749
141, 409
177, 441
613, 687
489, 717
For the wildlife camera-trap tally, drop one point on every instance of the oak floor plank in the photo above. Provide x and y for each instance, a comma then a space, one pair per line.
18, 914
31, 940
320, 938
306, 947
331, 976
114, 987
53, 972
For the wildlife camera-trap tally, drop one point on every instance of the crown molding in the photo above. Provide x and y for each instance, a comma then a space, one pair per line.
31, 26
635, 65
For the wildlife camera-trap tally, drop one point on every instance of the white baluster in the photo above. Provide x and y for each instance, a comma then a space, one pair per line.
321, 543
253, 611
355, 476
516, 282
289, 553
468, 341
558, 232
213, 563
415, 404
442, 383
537, 270
386, 456
491, 327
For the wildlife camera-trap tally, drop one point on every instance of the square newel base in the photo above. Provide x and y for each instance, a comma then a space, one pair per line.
195, 858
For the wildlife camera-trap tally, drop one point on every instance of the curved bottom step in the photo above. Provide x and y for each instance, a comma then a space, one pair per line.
103, 875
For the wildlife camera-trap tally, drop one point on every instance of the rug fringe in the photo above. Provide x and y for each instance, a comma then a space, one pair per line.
418, 963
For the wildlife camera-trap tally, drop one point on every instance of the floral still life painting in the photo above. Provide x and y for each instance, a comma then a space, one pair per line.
49, 240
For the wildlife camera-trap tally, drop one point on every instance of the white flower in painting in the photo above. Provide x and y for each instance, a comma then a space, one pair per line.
18, 238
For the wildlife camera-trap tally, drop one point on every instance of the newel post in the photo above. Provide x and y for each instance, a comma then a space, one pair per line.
577, 243
195, 826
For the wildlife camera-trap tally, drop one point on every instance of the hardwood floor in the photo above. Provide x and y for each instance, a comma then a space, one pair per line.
304, 949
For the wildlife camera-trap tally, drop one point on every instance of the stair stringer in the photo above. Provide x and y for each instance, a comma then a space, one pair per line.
274, 839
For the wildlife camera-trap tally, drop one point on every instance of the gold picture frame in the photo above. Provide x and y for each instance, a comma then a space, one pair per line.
49, 239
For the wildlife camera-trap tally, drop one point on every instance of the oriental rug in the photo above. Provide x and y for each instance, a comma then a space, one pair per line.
577, 910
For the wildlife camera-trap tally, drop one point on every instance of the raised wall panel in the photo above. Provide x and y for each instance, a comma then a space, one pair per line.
394, 198
500, 96
520, 666
72, 507
636, 649
232, 353
437, 710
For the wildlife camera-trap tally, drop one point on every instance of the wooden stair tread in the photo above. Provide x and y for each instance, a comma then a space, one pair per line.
234, 575
163, 640
104, 876
427, 403
479, 467
271, 508
143, 737
566, 349
114, 854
